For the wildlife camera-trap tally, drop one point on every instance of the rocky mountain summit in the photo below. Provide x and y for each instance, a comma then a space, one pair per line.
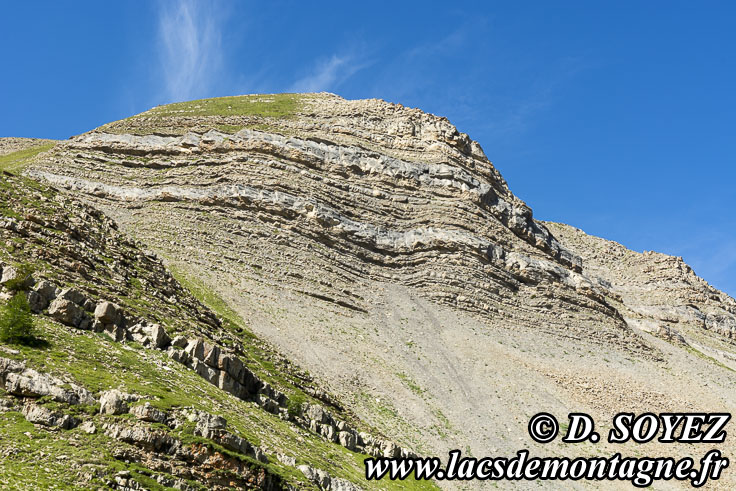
332, 279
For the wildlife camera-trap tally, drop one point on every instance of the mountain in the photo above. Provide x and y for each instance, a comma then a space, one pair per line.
335, 279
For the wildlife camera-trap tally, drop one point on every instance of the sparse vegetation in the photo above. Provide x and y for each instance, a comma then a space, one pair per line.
15, 161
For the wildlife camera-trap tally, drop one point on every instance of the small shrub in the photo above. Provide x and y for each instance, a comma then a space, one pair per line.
16, 321
25, 271
294, 405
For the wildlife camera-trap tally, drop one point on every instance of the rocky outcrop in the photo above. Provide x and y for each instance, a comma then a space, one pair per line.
323, 480
355, 191
46, 417
115, 402
25, 382
230, 374
657, 293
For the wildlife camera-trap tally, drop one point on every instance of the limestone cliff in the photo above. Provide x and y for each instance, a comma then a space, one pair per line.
366, 283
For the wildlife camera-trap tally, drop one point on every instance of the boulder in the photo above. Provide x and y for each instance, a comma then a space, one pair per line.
74, 296
88, 427
47, 291
36, 302
30, 383
180, 342
347, 439
11, 273
113, 402
150, 335
146, 412
316, 413
211, 355
107, 313
66, 312
40, 415
317, 476
207, 422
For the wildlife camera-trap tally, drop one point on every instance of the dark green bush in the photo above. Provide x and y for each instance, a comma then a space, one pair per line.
16, 321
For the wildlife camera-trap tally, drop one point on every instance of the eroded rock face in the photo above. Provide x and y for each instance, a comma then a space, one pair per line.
658, 293
352, 192
26, 382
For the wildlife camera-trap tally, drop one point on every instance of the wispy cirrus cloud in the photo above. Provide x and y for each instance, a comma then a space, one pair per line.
189, 48
327, 74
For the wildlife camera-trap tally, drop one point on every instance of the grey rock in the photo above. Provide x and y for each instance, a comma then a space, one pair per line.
47, 290
158, 441
347, 439
30, 383
36, 302
340, 484
208, 422
88, 427
316, 413
73, 295
286, 459
107, 313
40, 415
146, 412
179, 342
156, 336
116, 332
89, 305
11, 273
66, 312
113, 402
195, 348
317, 476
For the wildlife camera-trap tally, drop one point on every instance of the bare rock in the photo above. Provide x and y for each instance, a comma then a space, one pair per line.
12, 273
317, 476
114, 402
107, 313
66, 312
73, 295
146, 412
30, 383
47, 291
150, 335
41, 415
35, 302
347, 439
88, 427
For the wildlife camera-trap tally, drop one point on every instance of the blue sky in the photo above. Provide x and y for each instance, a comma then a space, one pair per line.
618, 118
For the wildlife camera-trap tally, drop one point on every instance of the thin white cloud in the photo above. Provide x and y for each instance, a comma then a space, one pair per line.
328, 74
189, 48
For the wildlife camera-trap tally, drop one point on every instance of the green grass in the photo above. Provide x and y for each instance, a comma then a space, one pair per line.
267, 106
16, 161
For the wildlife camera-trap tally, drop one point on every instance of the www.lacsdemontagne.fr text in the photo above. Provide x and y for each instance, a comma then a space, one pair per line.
640, 471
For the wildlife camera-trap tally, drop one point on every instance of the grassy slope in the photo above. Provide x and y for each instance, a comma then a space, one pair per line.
16, 161
226, 114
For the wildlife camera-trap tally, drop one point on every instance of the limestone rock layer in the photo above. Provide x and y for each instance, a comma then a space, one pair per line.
327, 196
